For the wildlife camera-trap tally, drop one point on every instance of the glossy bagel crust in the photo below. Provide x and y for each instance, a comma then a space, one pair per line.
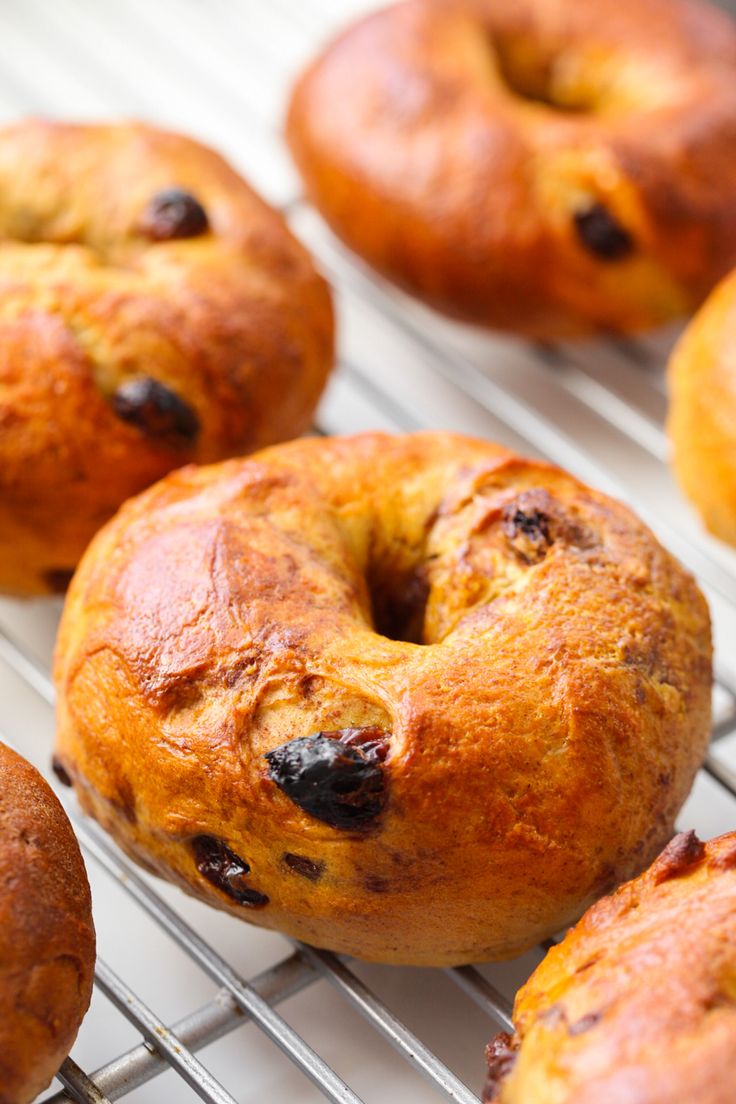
47, 940
551, 167
153, 311
529, 753
637, 1005
702, 413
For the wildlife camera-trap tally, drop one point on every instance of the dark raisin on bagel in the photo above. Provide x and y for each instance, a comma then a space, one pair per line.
155, 311
416, 699
47, 939
552, 167
638, 1003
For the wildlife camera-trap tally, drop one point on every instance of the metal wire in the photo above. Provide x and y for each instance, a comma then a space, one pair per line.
79, 1086
485, 995
197, 1030
161, 1037
215, 1019
373, 1010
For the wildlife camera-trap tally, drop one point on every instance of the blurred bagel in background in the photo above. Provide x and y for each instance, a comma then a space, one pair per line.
153, 311
550, 167
702, 412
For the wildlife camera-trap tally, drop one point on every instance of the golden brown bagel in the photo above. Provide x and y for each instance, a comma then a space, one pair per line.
153, 311
47, 940
702, 415
637, 1005
508, 676
552, 167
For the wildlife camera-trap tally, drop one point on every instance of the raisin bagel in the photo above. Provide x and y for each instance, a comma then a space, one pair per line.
47, 940
552, 167
638, 1004
416, 699
702, 414
153, 311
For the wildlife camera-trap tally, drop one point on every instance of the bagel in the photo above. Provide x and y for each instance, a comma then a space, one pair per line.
153, 311
416, 699
47, 939
638, 1003
550, 167
702, 411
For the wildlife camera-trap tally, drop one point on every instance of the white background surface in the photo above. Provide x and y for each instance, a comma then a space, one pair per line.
220, 71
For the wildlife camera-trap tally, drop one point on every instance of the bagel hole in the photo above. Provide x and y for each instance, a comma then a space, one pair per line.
398, 605
533, 76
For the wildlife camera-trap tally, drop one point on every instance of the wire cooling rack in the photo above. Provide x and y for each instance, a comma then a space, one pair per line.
186, 999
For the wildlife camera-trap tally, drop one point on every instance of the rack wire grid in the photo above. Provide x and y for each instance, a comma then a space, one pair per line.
186, 998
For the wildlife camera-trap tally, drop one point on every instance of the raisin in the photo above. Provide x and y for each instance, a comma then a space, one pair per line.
173, 213
500, 1055
600, 233
307, 868
226, 870
533, 525
372, 741
334, 776
61, 772
156, 411
527, 527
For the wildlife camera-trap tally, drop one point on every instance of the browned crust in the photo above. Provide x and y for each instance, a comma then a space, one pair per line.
638, 1003
702, 414
235, 321
47, 939
423, 158
541, 740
